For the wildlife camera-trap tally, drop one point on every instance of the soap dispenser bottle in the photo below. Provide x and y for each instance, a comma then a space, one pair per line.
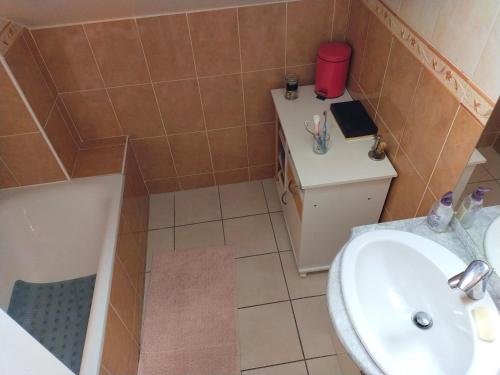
470, 207
441, 213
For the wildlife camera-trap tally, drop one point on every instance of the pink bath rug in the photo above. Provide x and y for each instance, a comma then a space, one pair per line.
190, 318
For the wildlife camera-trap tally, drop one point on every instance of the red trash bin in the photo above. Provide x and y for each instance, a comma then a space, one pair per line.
332, 67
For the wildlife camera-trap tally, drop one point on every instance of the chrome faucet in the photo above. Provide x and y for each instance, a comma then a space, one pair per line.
473, 280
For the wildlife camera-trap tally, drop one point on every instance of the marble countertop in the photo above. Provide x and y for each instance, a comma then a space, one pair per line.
456, 239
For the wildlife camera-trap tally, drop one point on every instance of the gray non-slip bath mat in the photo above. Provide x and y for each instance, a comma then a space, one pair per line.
56, 314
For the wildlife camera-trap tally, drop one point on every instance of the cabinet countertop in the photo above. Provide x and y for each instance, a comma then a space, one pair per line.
346, 161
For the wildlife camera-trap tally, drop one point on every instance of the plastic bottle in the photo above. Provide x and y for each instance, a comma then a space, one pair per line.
440, 215
470, 207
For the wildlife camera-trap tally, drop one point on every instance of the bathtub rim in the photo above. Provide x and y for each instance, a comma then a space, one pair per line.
96, 327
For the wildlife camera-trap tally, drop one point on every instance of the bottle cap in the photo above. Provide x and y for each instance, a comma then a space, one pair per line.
447, 199
478, 194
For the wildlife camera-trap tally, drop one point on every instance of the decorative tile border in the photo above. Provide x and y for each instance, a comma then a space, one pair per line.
480, 105
7, 36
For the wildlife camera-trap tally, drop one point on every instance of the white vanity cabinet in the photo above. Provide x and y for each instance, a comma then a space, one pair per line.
324, 196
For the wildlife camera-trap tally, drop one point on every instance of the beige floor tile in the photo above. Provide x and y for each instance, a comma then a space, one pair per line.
280, 231
480, 174
268, 335
347, 366
324, 366
315, 327
158, 239
271, 193
199, 235
312, 285
161, 210
259, 280
294, 368
197, 205
242, 199
492, 164
491, 198
250, 235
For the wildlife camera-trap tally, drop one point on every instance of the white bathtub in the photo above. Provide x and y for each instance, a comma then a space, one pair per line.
57, 232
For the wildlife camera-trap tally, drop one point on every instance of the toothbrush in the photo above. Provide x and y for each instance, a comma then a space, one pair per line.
324, 128
316, 120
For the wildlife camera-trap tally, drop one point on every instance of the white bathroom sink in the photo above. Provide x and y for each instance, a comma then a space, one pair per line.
386, 277
492, 244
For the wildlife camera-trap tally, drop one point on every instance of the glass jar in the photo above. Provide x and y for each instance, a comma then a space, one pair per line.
291, 86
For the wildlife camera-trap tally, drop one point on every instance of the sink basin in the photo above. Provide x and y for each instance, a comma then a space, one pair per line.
388, 276
492, 244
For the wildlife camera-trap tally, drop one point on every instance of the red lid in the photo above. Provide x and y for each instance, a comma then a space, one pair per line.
334, 51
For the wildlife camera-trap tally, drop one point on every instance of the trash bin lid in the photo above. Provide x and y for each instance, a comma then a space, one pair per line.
334, 51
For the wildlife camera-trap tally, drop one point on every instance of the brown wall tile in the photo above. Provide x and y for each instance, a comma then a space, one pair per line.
429, 120
68, 120
191, 154
215, 41
180, 106
39, 60
13, 113
306, 73
261, 144
68, 56
340, 19
61, 139
258, 101
262, 35
118, 345
167, 47
262, 171
154, 158
30, 78
378, 45
457, 150
99, 161
428, 200
387, 137
406, 190
29, 159
123, 294
137, 111
92, 114
7, 179
163, 186
222, 99
309, 25
400, 81
197, 181
231, 177
118, 52
356, 35
228, 148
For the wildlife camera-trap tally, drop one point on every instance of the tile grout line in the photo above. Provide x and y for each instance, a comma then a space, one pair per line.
290, 362
201, 99
10, 171
102, 79
428, 184
157, 102
57, 94
183, 79
211, 221
279, 301
222, 221
286, 283
71, 119
243, 94
333, 19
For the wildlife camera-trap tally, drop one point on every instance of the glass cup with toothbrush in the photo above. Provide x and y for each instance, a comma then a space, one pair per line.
321, 138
